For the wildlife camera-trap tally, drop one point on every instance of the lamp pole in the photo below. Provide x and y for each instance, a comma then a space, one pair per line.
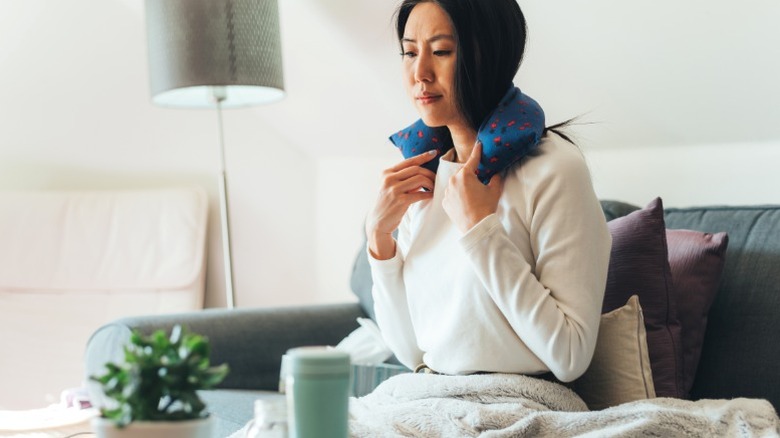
219, 94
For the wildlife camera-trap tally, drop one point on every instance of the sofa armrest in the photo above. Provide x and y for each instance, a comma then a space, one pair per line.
250, 341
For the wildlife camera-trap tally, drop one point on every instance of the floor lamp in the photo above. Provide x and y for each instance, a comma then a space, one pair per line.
215, 54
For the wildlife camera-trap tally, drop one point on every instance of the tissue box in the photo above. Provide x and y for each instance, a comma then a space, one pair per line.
367, 377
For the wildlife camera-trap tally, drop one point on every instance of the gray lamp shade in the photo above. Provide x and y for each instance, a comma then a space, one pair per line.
195, 45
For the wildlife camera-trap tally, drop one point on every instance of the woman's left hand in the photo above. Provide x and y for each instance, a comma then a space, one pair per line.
466, 200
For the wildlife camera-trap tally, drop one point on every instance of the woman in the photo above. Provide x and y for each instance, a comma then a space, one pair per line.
488, 274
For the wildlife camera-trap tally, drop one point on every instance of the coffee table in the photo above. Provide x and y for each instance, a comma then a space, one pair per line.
54, 421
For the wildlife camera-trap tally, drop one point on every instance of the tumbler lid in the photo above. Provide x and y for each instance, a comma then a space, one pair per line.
318, 360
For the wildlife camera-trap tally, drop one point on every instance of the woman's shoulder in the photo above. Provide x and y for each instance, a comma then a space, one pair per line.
555, 157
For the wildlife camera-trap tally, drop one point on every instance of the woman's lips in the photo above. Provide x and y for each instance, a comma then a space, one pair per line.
425, 100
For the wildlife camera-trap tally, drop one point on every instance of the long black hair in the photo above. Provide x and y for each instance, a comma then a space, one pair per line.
491, 37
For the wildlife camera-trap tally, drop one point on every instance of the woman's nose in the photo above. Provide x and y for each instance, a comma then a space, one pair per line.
423, 70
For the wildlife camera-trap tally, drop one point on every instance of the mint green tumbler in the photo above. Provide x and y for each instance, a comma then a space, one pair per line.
317, 389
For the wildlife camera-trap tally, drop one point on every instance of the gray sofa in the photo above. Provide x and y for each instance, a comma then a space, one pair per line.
739, 358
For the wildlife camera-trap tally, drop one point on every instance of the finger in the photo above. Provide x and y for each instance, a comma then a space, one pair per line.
496, 182
476, 153
415, 183
412, 171
416, 160
401, 188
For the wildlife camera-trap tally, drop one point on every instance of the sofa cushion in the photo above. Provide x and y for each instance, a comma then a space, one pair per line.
620, 370
696, 260
615, 209
639, 265
362, 283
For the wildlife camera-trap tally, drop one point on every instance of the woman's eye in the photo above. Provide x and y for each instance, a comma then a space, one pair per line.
442, 52
408, 54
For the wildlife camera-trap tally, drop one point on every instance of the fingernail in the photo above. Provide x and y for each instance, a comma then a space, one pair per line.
432, 152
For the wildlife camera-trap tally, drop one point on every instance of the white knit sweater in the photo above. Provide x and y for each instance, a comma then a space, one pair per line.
520, 292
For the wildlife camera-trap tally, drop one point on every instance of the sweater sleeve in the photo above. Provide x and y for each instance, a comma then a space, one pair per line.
390, 304
553, 302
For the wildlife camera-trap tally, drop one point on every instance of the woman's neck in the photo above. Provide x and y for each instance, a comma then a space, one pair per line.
463, 138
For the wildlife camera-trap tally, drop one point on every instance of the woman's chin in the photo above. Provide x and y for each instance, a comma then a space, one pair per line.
432, 121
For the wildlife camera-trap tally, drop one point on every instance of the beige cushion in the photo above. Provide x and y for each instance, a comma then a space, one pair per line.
620, 371
71, 261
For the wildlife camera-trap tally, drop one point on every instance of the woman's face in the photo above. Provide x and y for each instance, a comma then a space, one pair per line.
429, 57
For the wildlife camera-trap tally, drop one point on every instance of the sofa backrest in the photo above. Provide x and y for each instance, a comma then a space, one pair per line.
102, 240
740, 354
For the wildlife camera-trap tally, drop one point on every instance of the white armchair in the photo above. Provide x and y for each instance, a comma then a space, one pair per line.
71, 261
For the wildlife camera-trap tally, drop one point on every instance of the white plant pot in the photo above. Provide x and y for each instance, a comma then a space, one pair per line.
200, 428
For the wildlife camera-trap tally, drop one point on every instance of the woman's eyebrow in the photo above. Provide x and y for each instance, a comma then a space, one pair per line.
430, 40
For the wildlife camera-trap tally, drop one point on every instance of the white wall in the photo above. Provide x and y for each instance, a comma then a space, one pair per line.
346, 189
689, 175
273, 217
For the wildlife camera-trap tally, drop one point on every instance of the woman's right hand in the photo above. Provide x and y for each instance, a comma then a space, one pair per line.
402, 185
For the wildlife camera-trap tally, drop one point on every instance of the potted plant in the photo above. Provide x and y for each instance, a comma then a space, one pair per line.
153, 391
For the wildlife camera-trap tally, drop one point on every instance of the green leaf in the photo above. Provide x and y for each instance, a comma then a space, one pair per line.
159, 377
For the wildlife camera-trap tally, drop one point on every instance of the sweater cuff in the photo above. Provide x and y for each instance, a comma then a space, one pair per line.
393, 264
479, 231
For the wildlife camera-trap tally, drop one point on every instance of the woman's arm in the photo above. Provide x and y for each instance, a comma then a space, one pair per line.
390, 304
554, 303
402, 185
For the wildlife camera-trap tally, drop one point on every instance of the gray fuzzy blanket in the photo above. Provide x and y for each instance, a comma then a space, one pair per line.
504, 405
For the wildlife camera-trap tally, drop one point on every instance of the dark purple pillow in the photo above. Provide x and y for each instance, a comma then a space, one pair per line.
696, 261
639, 265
